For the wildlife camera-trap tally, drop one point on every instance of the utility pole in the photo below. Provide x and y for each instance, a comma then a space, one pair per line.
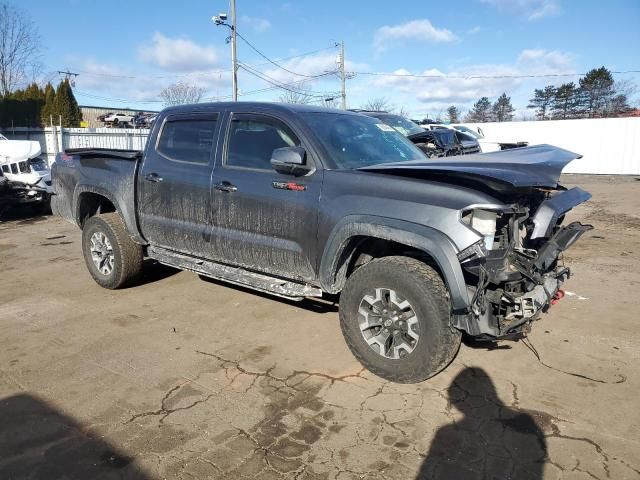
343, 87
234, 57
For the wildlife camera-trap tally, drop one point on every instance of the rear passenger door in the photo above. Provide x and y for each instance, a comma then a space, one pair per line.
264, 220
174, 201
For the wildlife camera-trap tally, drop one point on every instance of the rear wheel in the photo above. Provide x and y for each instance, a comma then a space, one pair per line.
395, 317
113, 259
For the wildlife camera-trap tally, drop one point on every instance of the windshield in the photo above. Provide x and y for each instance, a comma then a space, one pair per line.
355, 141
467, 130
404, 126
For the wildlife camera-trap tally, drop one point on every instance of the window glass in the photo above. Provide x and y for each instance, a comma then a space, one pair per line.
187, 140
253, 138
355, 141
14, 168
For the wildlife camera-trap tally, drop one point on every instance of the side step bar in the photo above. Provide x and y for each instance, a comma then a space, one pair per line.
236, 275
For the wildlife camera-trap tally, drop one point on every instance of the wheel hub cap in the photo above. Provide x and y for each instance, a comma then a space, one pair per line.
388, 323
101, 253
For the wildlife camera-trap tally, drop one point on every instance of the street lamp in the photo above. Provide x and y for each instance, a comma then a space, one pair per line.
221, 19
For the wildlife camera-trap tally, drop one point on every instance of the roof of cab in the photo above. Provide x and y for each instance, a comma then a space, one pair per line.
288, 107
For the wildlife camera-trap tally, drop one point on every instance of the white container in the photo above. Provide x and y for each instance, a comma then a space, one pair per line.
484, 222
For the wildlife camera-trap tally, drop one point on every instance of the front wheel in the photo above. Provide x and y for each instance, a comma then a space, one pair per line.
113, 259
395, 317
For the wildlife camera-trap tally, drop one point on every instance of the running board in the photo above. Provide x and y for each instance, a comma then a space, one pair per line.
236, 275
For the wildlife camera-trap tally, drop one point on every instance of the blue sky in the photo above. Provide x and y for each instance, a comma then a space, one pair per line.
127, 51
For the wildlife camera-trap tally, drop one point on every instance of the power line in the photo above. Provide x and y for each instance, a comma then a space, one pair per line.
474, 77
278, 84
271, 61
186, 75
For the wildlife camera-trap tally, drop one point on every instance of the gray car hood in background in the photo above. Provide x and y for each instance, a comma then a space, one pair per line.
537, 166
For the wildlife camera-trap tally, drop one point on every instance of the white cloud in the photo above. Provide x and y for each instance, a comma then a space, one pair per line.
473, 30
461, 88
416, 30
258, 25
178, 54
531, 9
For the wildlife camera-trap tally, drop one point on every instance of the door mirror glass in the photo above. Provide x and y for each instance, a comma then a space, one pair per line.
290, 160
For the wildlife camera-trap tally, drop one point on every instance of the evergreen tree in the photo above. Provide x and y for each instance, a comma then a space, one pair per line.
502, 109
481, 111
454, 114
65, 105
542, 101
566, 102
596, 92
49, 105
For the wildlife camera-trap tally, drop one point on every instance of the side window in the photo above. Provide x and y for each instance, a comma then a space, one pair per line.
14, 168
189, 140
253, 138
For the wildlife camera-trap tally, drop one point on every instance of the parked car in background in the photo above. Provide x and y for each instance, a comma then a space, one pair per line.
26, 176
118, 119
101, 118
301, 201
432, 141
488, 144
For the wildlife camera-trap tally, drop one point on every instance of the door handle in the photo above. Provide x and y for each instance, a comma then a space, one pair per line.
153, 177
225, 187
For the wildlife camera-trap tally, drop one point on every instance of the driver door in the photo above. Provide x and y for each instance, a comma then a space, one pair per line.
264, 220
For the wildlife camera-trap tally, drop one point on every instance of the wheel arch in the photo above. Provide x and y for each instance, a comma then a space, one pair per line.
353, 234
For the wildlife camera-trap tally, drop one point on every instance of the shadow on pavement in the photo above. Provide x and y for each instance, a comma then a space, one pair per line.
492, 440
39, 442
153, 271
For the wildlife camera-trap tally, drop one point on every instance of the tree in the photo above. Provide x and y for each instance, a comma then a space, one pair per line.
481, 111
502, 109
19, 48
402, 112
380, 104
181, 93
48, 107
299, 97
566, 102
542, 101
596, 92
66, 106
453, 113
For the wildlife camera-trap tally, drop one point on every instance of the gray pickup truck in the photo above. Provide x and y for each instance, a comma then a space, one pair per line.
302, 201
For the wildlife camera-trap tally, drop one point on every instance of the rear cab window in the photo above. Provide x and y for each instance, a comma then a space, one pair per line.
188, 139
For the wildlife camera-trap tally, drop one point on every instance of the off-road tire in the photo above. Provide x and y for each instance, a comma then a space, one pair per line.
127, 255
423, 287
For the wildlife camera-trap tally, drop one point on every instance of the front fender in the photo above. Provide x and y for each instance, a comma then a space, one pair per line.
337, 253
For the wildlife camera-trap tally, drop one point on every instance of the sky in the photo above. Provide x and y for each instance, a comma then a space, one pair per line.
126, 52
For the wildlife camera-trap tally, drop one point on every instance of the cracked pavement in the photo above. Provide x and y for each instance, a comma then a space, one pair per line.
181, 378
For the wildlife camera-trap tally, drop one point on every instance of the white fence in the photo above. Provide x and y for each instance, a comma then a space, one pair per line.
56, 139
608, 145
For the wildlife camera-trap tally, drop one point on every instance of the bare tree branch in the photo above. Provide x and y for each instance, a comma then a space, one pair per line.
181, 93
19, 48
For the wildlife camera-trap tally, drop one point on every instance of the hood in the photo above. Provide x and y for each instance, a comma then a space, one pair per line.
537, 166
19, 150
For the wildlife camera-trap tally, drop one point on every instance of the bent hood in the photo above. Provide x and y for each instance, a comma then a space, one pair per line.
19, 150
537, 166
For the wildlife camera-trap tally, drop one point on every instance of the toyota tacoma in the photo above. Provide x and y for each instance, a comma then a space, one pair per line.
300, 201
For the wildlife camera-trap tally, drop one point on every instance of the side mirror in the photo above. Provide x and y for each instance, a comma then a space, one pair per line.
290, 161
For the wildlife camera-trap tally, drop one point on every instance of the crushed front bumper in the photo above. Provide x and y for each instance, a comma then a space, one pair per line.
516, 288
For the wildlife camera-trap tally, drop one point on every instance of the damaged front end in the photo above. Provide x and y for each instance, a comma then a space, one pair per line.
515, 272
